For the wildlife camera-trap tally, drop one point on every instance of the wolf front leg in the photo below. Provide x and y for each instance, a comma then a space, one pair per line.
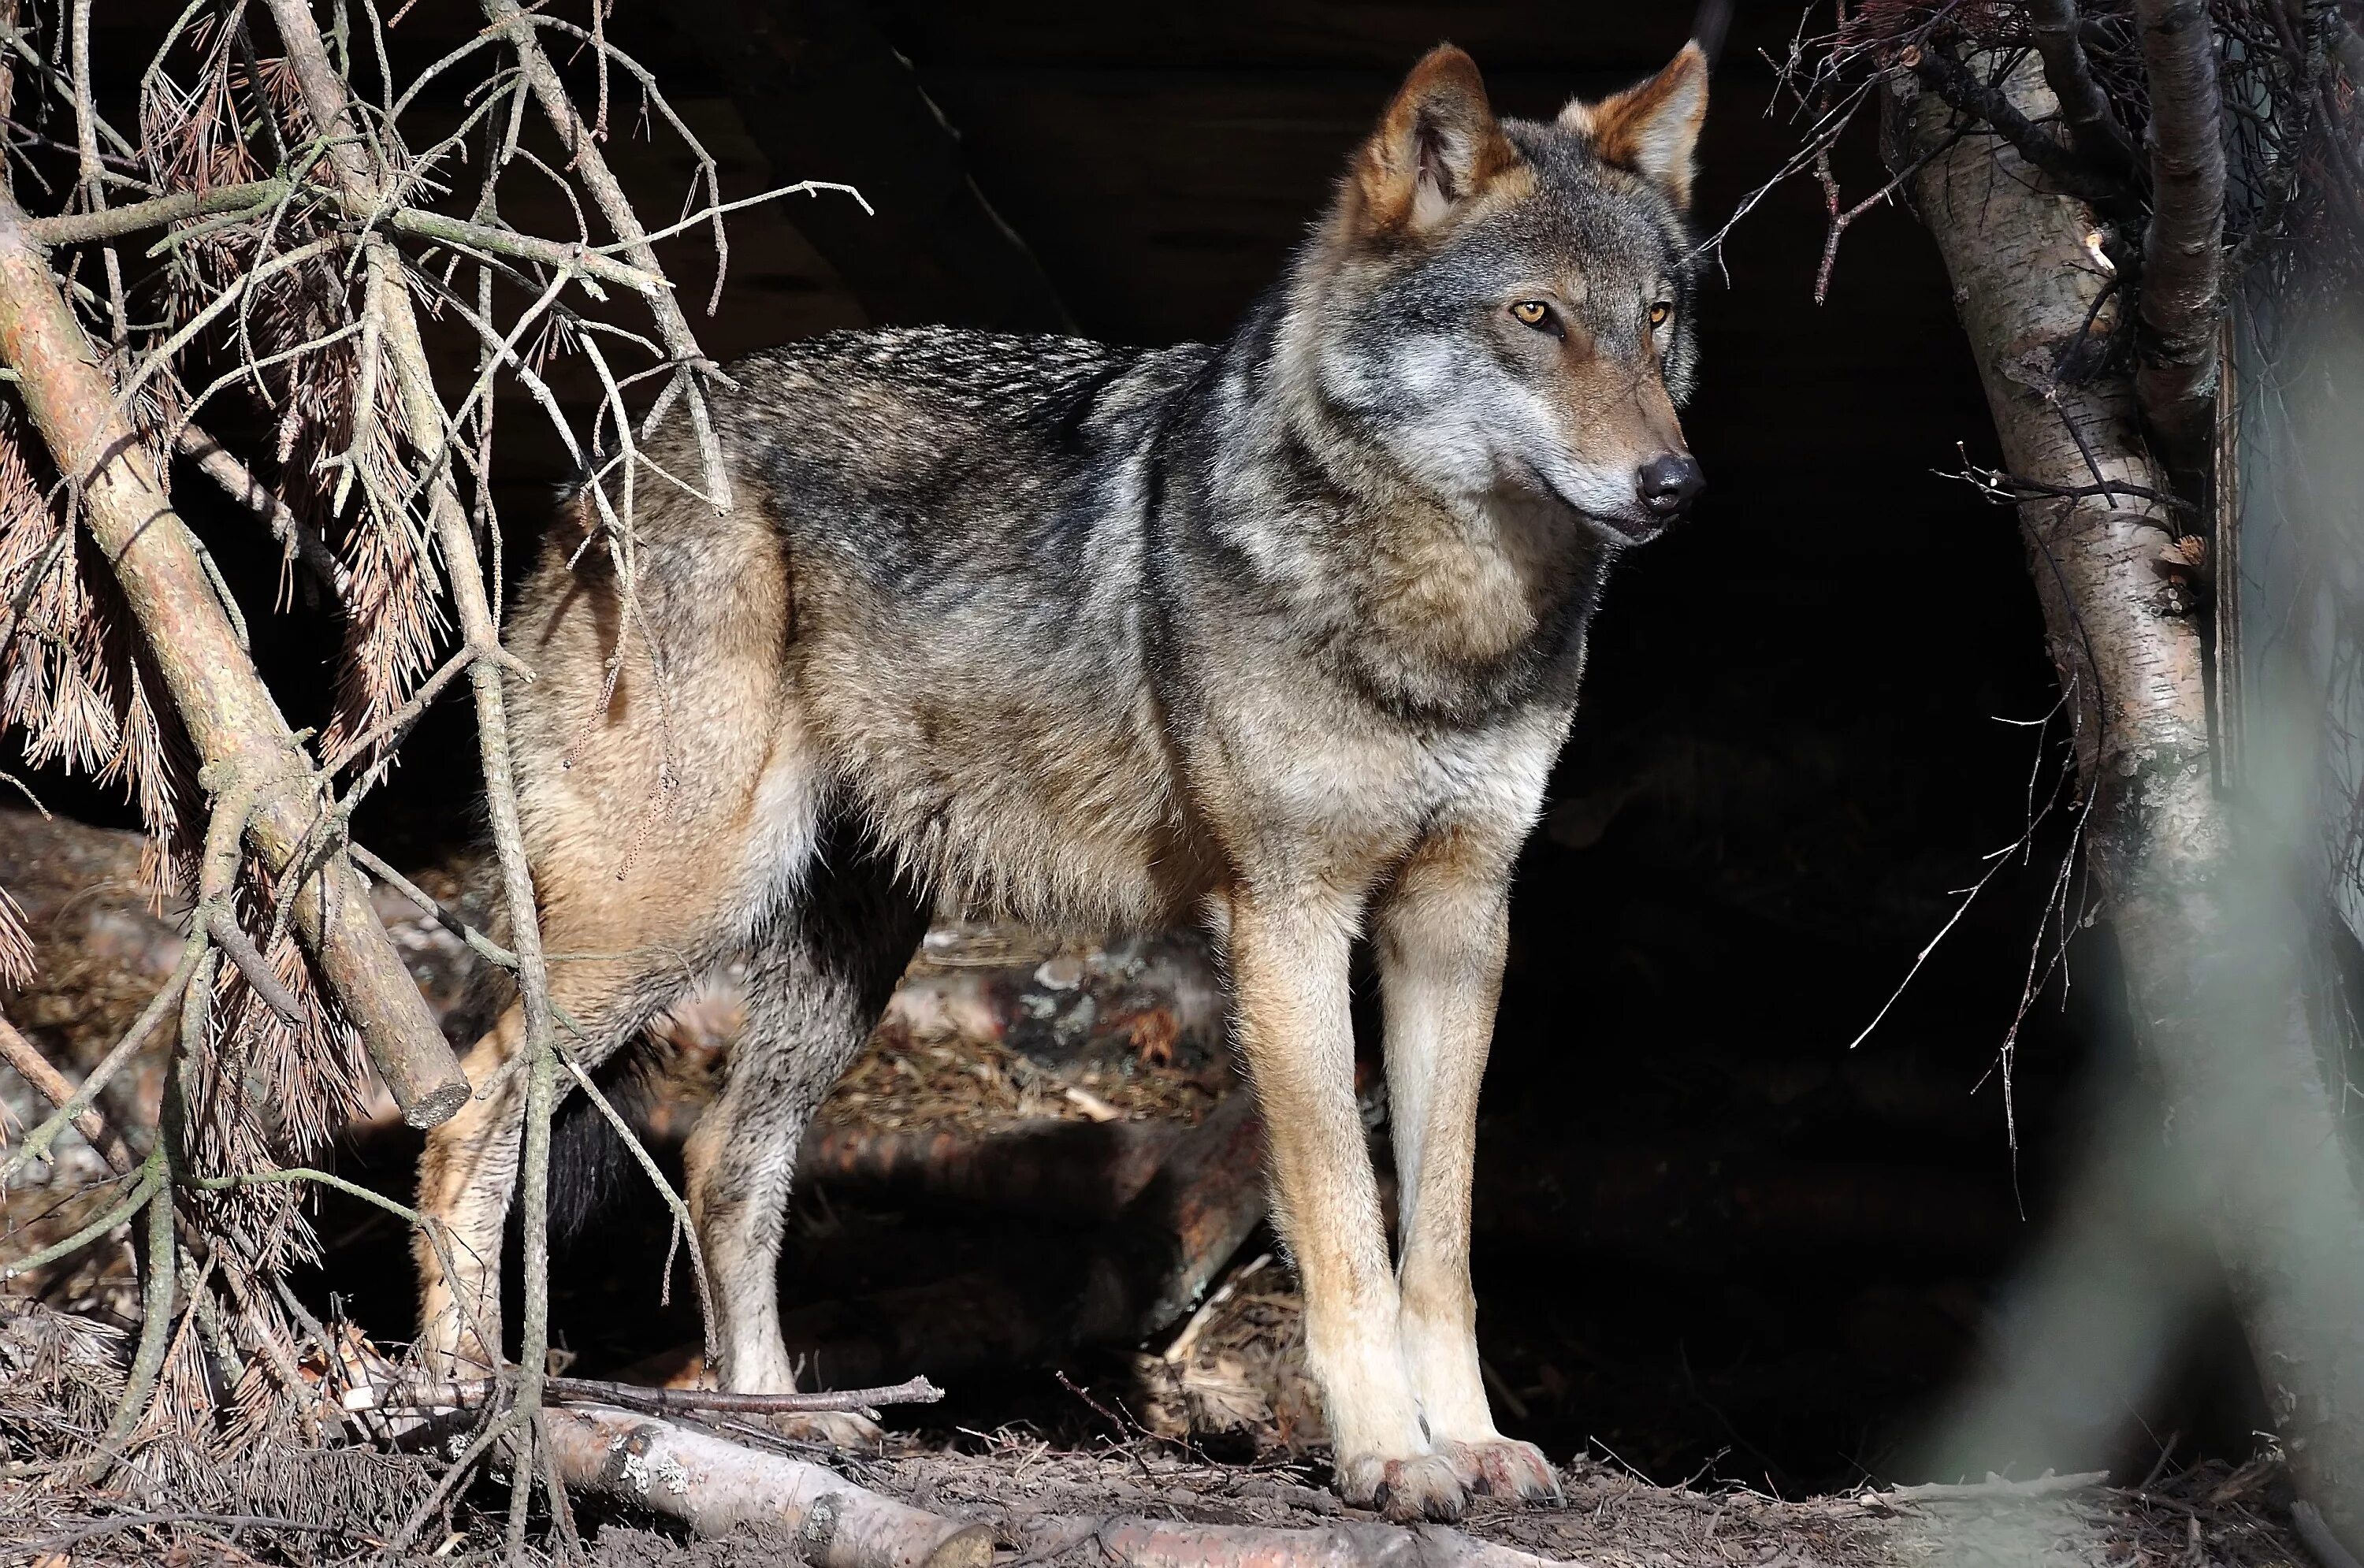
1442, 927
1289, 974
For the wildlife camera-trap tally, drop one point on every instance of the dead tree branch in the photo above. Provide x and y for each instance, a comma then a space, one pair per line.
325, 96
460, 1394
237, 482
583, 148
1994, 1487
230, 716
1953, 83
713, 1486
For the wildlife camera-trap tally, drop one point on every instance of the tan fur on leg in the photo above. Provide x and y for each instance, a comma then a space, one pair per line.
1442, 930
1289, 972
466, 1177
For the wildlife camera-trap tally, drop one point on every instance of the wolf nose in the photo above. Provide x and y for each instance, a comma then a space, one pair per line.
1669, 482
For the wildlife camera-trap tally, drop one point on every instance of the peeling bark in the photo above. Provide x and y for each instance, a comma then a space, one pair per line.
2210, 941
2182, 283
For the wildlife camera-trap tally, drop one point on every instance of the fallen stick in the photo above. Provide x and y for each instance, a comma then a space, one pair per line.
1176, 1543
417, 1395
1994, 1488
715, 1486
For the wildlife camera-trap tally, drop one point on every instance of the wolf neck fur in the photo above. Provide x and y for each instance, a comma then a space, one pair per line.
1434, 599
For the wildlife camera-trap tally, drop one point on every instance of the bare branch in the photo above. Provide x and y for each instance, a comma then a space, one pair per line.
75, 229
37, 1142
294, 535
1952, 82
428, 1394
222, 926
549, 92
151, 1178
428, 428
2094, 133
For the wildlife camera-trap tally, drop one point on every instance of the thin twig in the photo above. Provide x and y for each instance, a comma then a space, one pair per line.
294, 535
1953, 81
429, 1395
36, 1144
151, 1177
34, 1069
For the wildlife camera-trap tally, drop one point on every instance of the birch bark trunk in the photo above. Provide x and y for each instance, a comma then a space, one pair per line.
2211, 939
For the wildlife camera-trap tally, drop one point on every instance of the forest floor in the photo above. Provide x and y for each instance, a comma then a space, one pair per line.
1050, 1508
1024, 1094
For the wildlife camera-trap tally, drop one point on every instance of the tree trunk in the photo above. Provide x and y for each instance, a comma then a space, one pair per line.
2212, 940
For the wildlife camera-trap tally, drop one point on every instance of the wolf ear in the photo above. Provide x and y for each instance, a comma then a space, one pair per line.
1650, 128
1436, 147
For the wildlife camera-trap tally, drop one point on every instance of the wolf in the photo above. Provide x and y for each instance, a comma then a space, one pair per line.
1280, 634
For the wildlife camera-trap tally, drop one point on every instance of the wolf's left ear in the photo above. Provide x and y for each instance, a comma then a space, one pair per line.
1437, 146
1650, 128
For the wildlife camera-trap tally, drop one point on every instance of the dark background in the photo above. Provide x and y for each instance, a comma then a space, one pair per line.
1710, 1232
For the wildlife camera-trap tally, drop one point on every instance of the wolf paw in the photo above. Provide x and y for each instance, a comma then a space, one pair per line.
834, 1428
1500, 1467
1406, 1490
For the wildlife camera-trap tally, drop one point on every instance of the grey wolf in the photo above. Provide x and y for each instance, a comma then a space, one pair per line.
1280, 634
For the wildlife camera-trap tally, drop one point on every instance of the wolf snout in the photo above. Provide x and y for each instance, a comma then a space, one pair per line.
1668, 482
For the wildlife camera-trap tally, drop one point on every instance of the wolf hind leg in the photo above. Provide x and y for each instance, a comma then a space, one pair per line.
610, 975
817, 979
465, 1176
468, 1172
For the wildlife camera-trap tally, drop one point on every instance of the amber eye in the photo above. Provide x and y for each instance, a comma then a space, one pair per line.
1532, 313
1660, 312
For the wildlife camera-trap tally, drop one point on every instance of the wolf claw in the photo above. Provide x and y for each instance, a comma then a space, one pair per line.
1502, 1467
1405, 1490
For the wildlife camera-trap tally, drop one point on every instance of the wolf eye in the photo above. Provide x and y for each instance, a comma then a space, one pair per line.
1660, 312
1532, 313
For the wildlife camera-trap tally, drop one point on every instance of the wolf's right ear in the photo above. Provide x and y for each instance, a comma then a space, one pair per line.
1435, 147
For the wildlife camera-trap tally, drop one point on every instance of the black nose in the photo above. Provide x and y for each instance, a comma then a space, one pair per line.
1668, 482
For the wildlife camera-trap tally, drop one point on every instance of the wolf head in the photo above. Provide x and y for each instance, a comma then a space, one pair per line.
1503, 307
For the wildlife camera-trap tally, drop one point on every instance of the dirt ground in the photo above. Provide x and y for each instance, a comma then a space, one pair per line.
1048, 1508
996, 1035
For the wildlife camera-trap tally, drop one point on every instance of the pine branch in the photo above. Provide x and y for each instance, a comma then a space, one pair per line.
223, 704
